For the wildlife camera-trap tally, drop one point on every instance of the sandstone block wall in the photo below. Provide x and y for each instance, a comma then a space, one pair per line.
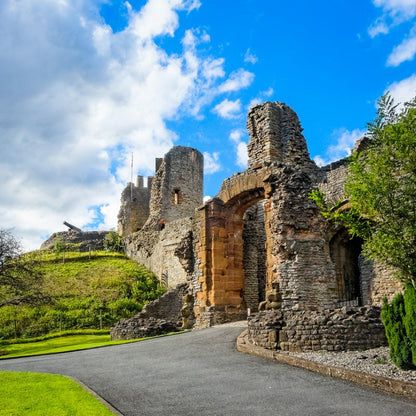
333, 181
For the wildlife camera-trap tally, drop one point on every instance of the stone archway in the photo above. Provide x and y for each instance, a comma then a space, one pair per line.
220, 250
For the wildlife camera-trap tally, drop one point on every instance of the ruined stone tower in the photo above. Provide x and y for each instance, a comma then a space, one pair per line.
275, 135
134, 208
175, 192
177, 189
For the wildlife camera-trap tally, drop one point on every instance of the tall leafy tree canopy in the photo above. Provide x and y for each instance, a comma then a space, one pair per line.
381, 188
21, 280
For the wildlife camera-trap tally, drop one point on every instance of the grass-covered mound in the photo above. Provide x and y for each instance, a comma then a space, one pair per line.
86, 291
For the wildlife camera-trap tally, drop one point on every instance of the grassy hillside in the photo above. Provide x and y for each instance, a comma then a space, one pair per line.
87, 291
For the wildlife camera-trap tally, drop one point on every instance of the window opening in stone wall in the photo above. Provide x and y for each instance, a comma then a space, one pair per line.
345, 254
161, 224
254, 256
176, 196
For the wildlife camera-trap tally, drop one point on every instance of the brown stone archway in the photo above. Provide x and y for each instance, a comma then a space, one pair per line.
220, 250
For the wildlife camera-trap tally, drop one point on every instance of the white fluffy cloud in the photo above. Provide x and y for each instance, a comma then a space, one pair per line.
406, 8
77, 99
406, 51
261, 98
228, 109
211, 162
240, 147
237, 80
403, 90
394, 13
344, 141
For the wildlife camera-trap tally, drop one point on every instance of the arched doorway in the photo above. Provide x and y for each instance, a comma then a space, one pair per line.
222, 296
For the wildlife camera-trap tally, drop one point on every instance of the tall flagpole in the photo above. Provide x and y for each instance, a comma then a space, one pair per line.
131, 179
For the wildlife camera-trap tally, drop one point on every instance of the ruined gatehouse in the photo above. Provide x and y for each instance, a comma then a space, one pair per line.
259, 244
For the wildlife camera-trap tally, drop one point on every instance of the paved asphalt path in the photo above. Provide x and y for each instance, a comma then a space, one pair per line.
201, 373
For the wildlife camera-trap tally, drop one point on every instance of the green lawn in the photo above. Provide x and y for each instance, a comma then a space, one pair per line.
35, 394
58, 344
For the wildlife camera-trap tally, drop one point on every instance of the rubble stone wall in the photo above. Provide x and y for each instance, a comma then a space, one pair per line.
80, 241
134, 209
376, 279
157, 251
254, 256
275, 135
333, 181
344, 329
158, 317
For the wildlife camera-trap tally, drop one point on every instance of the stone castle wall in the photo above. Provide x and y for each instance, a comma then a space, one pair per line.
174, 195
134, 209
177, 190
275, 135
157, 250
345, 329
333, 182
157, 317
80, 241
261, 231
254, 257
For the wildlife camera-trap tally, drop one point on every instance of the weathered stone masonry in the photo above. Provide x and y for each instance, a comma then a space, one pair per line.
260, 232
176, 192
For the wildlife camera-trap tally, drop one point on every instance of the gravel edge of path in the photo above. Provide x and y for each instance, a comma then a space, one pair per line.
357, 366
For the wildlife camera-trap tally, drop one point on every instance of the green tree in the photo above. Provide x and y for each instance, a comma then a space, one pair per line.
393, 316
409, 319
112, 242
21, 280
381, 189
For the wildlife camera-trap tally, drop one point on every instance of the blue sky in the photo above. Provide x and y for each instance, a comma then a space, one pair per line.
86, 83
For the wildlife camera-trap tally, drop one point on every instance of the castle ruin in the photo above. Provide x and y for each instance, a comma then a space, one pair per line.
259, 244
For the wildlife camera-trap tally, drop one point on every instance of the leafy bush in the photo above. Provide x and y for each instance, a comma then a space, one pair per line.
394, 318
124, 307
112, 242
410, 318
59, 246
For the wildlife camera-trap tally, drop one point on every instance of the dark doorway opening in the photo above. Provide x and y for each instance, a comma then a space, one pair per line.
254, 256
345, 253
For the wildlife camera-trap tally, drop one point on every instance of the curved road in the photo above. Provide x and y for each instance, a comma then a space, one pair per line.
201, 373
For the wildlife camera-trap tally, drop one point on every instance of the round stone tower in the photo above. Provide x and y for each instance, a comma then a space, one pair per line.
177, 189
